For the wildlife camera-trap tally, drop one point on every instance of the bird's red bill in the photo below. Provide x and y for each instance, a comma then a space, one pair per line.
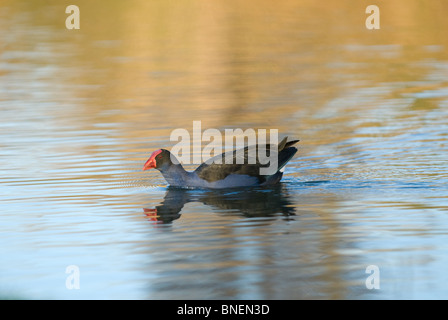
151, 163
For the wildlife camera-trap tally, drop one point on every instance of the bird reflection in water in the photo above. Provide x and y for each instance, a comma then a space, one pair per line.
255, 202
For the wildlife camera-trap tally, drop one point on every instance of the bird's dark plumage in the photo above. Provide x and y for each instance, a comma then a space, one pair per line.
233, 169
212, 171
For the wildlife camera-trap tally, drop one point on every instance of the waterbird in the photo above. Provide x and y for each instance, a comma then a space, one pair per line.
218, 172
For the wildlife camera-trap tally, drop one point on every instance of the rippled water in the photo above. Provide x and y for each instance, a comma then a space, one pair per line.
81, 110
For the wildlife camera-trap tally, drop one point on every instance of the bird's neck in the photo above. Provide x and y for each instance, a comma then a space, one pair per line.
175, 175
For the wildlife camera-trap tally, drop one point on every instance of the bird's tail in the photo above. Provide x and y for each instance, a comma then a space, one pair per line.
284, 144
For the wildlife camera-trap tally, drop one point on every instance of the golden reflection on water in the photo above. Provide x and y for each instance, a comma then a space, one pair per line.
248, 63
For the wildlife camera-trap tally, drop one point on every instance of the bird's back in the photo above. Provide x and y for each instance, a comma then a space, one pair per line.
246, 162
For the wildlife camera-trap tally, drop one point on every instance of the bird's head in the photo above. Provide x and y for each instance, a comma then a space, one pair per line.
158, 159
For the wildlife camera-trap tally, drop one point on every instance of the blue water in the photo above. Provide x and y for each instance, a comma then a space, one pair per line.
81, 112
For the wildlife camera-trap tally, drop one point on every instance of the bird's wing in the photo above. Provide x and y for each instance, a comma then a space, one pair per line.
246, 161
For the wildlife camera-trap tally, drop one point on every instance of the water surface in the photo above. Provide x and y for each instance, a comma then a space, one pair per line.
81, 111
